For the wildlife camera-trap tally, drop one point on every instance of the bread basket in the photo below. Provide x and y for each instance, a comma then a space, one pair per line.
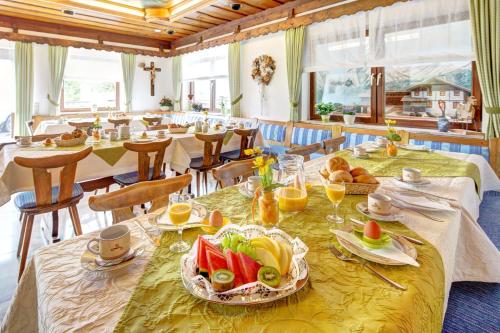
71, 142
360, 188
178, 130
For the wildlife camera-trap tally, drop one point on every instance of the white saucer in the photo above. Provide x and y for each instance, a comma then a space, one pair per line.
242, 188
394, 215
422, 182
94, 263
24, 146
363, 157
141, 140
415, 147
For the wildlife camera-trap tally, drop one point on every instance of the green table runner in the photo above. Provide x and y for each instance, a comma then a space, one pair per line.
340, 297
431, 164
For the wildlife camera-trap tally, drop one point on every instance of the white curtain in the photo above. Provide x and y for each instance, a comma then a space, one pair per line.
336, 43
420, 31
207, 63
86, 64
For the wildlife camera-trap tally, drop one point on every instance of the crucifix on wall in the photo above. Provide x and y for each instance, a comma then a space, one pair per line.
152, 71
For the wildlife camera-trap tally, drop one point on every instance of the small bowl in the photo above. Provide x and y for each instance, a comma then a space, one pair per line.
212, 230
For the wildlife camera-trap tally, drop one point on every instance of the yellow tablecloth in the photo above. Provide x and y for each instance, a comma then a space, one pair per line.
340, 297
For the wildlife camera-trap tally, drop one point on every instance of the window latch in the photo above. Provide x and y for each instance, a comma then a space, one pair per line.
372, 77
379, 76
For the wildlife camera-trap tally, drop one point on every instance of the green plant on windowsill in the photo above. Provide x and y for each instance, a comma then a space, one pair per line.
324, 110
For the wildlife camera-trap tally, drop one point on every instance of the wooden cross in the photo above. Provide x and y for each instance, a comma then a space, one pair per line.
152, 70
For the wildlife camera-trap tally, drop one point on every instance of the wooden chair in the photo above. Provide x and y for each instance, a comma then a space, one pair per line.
247, 141
152, 120
233, 172
29, 126
305, 151
145, 172
119, 121
157, 127
121, 202
332, 145
82, 125
211, 157
47, 198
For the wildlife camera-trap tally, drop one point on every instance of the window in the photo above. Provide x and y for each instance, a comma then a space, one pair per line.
7, 86
205, 79
91, 78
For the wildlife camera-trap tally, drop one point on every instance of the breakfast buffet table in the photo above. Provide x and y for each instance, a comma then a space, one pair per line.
56, 294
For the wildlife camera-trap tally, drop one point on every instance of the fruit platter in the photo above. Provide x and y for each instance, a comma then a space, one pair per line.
243, 265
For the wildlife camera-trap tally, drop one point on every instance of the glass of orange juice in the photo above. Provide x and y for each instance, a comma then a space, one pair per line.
179, 211
335, 193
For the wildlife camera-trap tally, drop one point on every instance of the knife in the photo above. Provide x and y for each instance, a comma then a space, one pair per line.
408, 238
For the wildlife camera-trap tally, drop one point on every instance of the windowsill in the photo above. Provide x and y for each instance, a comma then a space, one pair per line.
408, 129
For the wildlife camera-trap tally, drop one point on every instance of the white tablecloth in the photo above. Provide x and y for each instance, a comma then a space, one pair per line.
182, 150
55, 294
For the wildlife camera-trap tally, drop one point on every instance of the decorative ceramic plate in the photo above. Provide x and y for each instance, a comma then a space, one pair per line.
394, 215
94, 263
399, 242
250, 293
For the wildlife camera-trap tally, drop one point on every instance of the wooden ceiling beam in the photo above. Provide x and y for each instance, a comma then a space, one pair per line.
275, 13
187, 7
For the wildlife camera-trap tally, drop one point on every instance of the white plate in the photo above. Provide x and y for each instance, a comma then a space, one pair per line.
198, 214
363, 157
24, 146
422, 182
394, 215
144, 139
415, 147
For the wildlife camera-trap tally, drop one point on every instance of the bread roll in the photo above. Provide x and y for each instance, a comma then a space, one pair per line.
365, 179
337, 163
358, 171
66, 136
340, 176
324, 173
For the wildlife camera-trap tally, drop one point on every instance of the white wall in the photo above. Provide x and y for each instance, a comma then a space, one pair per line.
142, 100
276, 104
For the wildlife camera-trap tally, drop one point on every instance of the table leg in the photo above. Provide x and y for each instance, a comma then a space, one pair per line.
55, 226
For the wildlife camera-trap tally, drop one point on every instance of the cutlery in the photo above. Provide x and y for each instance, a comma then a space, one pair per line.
115, 262
145, 232
408, 238
418, 212
339, 255
425, 194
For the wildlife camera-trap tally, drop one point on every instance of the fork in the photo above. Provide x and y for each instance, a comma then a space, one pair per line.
336, 252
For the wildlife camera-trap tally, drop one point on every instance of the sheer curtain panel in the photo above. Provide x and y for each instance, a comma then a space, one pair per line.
24, 86
57, 64
128, 71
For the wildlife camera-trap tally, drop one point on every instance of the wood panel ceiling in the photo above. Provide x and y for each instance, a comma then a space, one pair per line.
165, 20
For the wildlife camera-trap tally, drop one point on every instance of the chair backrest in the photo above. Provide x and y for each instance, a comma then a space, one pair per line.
234, 172
305, 151
29, 126
118, 122
247, 139
121, 202
152, 120
307, 134
211, 156
157, 127
333, 145
273, 131
43, 179
143, 150
39, 137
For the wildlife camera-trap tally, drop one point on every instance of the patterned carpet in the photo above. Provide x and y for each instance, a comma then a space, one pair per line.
473, 307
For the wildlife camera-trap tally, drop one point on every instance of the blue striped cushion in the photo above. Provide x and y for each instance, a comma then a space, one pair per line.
454, 147
26, 200
133, 177
308, 136
354, 139
273, 132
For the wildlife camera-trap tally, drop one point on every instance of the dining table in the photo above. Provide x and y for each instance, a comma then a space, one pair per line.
108, 158
56, 294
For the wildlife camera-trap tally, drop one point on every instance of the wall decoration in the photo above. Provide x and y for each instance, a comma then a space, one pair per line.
263, 68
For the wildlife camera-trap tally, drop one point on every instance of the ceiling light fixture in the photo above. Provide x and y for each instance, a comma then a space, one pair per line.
235, 5
170, 31
157, 30
68, 12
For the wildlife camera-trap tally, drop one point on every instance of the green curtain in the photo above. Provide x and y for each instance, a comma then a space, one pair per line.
294, 41
57, 63
176, 81
235, 94
24, 86
128, 70
485, 19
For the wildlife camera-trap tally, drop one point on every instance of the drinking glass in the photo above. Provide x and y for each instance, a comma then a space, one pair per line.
335, 193
179, 211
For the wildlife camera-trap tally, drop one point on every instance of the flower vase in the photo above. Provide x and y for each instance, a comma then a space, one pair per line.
268, 209
325, 118
392, 149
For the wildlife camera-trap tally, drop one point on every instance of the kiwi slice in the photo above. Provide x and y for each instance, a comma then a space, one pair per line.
269, 276
222, 280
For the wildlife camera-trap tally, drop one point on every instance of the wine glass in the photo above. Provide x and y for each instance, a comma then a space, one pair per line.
335, 193
179, 211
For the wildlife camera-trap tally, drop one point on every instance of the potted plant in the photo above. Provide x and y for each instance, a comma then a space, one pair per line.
349, 117
166, 104
324, 110
198, 107
392, 136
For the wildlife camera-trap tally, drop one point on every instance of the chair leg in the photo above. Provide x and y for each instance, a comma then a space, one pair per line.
197, 183
26, 244
21, 235
107, 189
55, 226
205, 180
73, 213
21, 217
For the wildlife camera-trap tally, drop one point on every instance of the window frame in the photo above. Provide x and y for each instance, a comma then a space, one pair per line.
213, 91
115, 108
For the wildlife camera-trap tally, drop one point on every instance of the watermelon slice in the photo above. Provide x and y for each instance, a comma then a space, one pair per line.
202, 262
216, 260
249, 268
234, 266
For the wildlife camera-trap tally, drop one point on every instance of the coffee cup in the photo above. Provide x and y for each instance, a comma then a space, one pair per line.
161, 133
381, 142
379, 204
113, 135
241, 126
359, 151
112, 243
24, 140
411, 175
253, 183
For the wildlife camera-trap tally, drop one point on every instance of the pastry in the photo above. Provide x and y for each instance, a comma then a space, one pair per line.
365, 179
67, 136
337, 163
324, 173
340, 176
358, 171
